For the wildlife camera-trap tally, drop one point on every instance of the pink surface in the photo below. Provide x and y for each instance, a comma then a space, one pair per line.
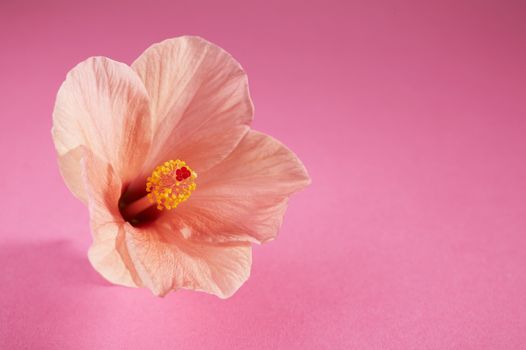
411, 119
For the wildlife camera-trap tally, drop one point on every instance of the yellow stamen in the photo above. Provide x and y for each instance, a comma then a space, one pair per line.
170, 184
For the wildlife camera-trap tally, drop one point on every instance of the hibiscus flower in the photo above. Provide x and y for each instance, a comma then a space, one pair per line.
177, 185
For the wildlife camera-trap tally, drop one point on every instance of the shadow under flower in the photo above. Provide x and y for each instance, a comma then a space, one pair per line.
43, 265
39, 283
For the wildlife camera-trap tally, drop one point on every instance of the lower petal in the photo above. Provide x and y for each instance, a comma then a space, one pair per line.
165, 261
108, 253
106, 259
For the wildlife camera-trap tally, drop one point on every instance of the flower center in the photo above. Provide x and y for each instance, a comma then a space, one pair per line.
171, 183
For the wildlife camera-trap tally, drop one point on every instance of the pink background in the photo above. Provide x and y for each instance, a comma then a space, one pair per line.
409, 115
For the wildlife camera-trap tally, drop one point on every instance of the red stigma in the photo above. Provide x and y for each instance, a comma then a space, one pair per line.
182, 174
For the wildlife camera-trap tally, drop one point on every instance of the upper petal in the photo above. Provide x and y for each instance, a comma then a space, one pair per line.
103, 106
199, 98
245, 196
165, 261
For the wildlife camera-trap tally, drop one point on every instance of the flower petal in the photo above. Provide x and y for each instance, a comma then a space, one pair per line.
108, 253
103, 106
106, 259
69, 165
165, 261
245, 196
200, 101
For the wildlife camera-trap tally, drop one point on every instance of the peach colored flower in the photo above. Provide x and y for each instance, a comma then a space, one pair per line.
177, 184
